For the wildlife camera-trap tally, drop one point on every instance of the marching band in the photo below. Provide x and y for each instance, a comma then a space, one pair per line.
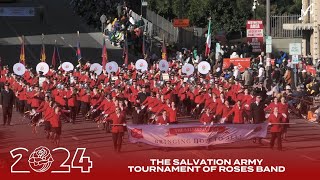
150, 95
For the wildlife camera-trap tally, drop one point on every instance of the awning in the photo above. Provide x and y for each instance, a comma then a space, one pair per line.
298, 26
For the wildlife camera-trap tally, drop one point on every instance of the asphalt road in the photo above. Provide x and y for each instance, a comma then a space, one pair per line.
302, 145
61, 25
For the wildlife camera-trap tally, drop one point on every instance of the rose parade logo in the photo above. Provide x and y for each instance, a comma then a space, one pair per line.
41, 160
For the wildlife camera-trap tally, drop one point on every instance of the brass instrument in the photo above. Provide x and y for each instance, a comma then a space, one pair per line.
192, 81
90, 112
159, 84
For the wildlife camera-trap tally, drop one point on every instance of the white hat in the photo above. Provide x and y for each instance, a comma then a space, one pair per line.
304, 71
288, 87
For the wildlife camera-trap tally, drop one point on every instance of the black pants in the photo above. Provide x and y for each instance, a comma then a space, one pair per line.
27, 106
21, 106
73, 113
274, 136
7, 114
78, 104
117, 140
84, 108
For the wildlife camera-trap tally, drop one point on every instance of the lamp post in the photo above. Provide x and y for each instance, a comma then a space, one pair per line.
144, 5
254, 7
268, 22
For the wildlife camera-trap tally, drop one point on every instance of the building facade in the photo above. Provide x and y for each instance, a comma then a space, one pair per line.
310, 26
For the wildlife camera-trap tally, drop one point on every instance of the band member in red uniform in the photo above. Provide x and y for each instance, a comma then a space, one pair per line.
46, 115
172, 113
117, 130
272, 105
223, 112
238, 112
283, 109
36, 97
206, 117
163, 119
85, 103
55, 126
71, 102
276, 129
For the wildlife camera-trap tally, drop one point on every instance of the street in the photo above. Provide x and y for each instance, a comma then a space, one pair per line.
302, 145
61, 24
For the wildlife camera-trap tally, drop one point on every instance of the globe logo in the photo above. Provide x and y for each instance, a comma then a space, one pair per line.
40, 159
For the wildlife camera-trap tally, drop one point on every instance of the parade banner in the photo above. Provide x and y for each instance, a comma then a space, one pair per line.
255, 35
194, 135
242, 63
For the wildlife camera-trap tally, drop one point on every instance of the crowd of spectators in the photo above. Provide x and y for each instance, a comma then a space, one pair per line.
119, 26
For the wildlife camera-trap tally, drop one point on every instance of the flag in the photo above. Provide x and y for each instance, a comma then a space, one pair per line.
208, 42
164, 50
43, 53
125, 51
78, 47
22, 54
104, 54
78, 51
53, 60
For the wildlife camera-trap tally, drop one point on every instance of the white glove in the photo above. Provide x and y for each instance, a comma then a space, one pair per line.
198, 105
124, 124
91, 107
167, 124
211, 123
269, 124
284, 115
267, 115
246, 105
204, 123
142, 107
103, 112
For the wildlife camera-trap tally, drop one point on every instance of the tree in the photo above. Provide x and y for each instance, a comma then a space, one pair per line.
227, 15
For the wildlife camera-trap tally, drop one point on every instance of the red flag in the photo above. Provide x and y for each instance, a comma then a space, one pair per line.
78, 48
43, 51
164, 50
22, 54
104, 54
53, 60
43, 54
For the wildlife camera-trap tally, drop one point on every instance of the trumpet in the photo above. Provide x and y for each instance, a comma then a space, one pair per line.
192, 81
159, 84
89, 113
